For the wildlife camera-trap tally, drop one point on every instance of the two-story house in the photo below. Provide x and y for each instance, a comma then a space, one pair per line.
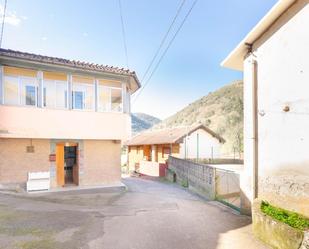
65, 117
274, 60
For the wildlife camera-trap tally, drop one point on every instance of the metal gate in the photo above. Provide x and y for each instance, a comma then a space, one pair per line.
228, 188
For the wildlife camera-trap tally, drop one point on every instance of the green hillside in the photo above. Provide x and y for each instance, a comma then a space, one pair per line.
221, 111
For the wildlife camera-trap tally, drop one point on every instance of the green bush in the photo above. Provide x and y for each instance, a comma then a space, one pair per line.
291, 218
185, 183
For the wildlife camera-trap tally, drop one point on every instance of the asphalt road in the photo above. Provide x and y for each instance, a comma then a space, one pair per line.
149, 215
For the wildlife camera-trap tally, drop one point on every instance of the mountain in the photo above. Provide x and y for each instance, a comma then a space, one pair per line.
221, 111
142, 121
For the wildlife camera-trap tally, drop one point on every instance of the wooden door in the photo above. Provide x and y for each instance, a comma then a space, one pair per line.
60, 164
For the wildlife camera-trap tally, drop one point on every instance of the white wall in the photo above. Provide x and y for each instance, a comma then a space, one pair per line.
201, 148
283, 137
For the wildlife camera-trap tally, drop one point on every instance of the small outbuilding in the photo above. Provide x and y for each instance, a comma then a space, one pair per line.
148, 151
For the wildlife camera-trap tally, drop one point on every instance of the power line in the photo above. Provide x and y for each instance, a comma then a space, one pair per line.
165, 51
3, 20
163, 40
123, 34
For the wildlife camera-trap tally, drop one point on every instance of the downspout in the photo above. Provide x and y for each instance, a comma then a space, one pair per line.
255, 127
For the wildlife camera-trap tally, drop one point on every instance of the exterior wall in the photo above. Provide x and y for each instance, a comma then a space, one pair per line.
98, 160
15, 162
32, 122
200, 144
20, 121
137, 154
162, 156
101, 162
282, 61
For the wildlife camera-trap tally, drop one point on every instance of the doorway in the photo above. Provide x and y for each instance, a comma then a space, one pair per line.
67, 164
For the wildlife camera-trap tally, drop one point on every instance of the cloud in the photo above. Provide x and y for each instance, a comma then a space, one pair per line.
11, 18
85, 34
44, 38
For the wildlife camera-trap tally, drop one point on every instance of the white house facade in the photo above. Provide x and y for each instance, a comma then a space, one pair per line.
274, 60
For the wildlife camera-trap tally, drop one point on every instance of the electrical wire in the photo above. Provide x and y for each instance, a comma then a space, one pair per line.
165, 51
123, 34
163, 40
3, 20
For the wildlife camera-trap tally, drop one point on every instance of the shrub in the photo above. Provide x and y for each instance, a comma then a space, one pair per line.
291, 218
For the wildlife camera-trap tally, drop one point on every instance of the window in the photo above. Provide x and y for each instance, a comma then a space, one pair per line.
83, 96
116, 99
166, 151
104, 99
109, 99
20, 90
78, 100
11, 90
30, 95
29, 91
55, 94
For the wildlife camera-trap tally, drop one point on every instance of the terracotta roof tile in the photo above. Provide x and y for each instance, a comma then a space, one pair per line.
169, 136
66, 62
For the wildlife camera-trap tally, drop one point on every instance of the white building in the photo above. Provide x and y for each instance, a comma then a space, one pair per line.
274, 60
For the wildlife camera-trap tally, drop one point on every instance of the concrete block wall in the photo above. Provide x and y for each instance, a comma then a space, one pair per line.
16, 162
101, 159
200, 178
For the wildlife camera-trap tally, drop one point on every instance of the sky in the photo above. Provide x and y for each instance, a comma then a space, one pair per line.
91, 31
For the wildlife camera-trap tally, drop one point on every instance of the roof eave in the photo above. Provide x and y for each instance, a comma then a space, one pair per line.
235, 59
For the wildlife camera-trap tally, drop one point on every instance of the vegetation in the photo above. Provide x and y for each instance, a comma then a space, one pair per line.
142, 121
291, 218
184, 183
221, 111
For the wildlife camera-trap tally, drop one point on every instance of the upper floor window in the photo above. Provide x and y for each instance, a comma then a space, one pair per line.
55, 90
20, 90
55, 94
83, 93
110, 97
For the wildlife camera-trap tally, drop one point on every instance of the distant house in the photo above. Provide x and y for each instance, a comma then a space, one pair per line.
274, 60
65, 118
149, 150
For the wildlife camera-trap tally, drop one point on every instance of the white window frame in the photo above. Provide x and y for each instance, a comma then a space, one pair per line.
110, 98
84, 96
55, 102
20, 80
36, 86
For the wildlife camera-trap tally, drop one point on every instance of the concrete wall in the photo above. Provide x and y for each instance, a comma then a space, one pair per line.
282, 70
101, 162
15, 162
200, 178
200, 144
32, 122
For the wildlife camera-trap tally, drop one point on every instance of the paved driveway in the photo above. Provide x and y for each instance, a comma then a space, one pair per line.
149, 215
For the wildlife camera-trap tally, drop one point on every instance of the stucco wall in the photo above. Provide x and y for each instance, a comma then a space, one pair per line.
101, 161
15, 162
283, 137
31, 122
206, 144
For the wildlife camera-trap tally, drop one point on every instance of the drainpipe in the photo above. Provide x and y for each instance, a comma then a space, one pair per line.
255, 126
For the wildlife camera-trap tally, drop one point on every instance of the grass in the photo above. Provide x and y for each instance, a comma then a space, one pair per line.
291, 218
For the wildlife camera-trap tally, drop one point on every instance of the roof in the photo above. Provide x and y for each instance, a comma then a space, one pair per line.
8, 53
235, 59
169, 136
